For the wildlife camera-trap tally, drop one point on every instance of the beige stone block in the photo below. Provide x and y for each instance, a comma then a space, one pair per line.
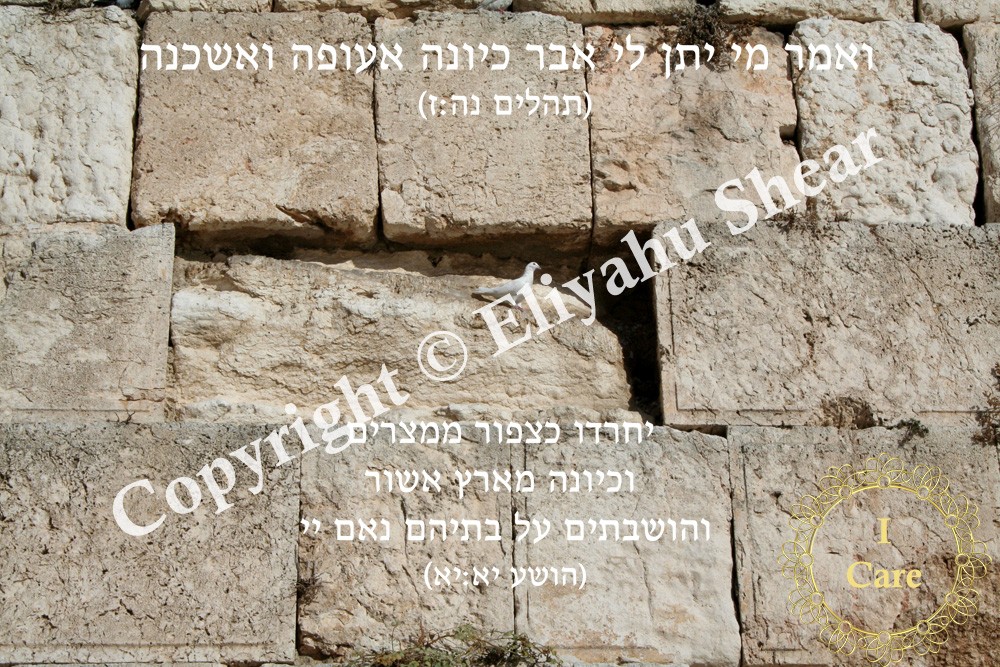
662, 145
830, 324
372, 9
773, 469
590, 12
916, 99
513, 182
256, 333
787, 12
244, 153
147, 7
662, 598
84, 321
983, 43
202, 587
951, 13
66, 107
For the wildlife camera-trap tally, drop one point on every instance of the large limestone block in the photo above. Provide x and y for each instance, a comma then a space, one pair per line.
359, 593
773, 469
256, 333
589, 12
983, 43
787, 12
372, 9
510, 181
67, 98
662, 145
242, 153
84, 321
916, 98
831, 324
147, 7
660, 600
951, 13
202, 587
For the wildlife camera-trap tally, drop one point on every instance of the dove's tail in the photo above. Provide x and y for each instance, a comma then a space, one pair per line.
481, 290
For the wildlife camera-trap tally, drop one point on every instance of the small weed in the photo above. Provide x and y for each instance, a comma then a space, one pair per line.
704, 25
914, 429
988, 417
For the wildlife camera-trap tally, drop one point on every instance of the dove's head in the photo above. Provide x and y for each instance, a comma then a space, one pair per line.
533, 266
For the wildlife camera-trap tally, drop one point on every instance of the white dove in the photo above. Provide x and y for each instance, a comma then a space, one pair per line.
511, 288
495, 5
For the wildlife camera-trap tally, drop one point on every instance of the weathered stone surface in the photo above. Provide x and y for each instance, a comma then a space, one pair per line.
513, 181
84, 318
256, 333
831, 324
201, 587
66, 107
147, 7
774, 468
917, 99
368, 594
243, 153
662, 601
662, 145
787, 12
372, 9
983, 43
590, 12
951, 13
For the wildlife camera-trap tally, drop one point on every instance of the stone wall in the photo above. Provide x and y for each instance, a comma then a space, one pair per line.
193, 259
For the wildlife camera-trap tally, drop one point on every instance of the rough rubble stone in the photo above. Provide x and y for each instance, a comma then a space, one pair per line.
662, 145
256, 333
147, 7
589, 12
243, 153
917, 99
787, 12
201, 587
84, 318
951, 13
372, 9
664, 601
512, 182
66, 108
365, 594
831, 324
983, 44
774, 468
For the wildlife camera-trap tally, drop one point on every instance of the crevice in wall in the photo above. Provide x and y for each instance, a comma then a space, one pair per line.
979, 202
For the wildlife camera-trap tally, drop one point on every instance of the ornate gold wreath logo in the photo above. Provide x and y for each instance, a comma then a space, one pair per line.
884, 646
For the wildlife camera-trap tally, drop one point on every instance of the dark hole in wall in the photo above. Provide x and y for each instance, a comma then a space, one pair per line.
979, 203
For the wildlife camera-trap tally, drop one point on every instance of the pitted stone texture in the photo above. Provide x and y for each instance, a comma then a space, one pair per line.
787, 12
512, 182
918, 101
773, 469
663, 600
951, 13
372, 9
661, 145
831, 324
257, 333
66, 108
84, 318
243, 153
983, 44
589, 12
147, 7
202, 587
365, 594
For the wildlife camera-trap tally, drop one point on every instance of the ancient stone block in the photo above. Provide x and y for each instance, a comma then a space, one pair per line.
951, 13
917, 100
372, 9
256, 333
362, 592
983, 42
774, 469
84, 319
661, 146
787, 12
512, 181
147, 7
201, 587
67, 106
590, 12
830, 324
665, 597
258, 152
